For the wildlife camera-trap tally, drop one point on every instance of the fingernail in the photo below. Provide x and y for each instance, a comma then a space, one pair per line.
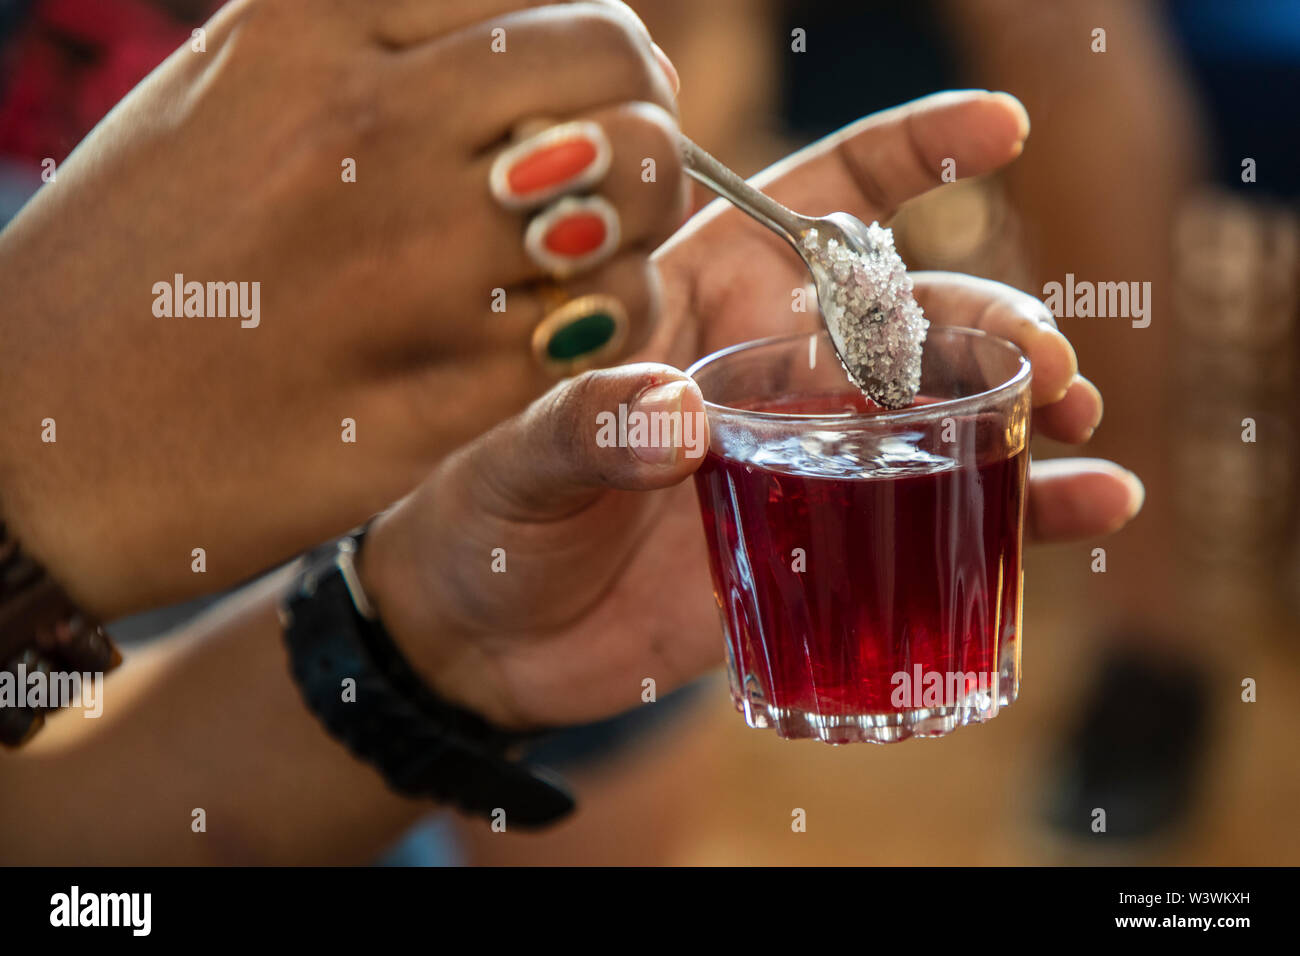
1022, 117
674, 80
1101, 406
661, 400
1092, 429
573, 234
563, 158
579, 333
1137, 494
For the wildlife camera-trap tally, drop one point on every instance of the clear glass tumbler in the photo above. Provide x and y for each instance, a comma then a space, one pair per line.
866, 563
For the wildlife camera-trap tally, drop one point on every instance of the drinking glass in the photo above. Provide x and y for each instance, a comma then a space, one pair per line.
866, 563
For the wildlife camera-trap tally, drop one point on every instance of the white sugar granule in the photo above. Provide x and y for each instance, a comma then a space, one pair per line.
873, 314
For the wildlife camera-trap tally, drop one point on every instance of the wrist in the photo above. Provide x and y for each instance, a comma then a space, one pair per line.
423, 744
394, 572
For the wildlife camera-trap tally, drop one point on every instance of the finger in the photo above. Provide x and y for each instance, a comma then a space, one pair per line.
1075, 417
632, 428
403, 23
949, 298
638, 202
517, 353
892, 156
1071, 498
630, 280
557, 61
396, 24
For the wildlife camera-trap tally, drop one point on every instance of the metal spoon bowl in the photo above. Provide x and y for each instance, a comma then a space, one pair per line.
797, 229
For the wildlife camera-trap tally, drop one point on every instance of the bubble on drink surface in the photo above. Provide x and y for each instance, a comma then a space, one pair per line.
875, 320
837, 454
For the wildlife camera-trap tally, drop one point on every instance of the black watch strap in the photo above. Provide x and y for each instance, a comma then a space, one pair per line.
423, 746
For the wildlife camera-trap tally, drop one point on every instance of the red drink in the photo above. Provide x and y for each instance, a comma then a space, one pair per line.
866, 563
909, 592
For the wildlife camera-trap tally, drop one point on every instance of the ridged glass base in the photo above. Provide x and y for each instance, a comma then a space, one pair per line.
881, 728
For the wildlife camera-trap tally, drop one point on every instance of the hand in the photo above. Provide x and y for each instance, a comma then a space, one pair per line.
606, 578
375, 296
728, 280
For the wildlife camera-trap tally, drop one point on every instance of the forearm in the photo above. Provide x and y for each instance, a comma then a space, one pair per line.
209, 719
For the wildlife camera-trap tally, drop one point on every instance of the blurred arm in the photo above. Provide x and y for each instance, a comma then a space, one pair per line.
207, 718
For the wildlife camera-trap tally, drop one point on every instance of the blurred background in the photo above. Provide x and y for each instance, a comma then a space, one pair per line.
1169, 158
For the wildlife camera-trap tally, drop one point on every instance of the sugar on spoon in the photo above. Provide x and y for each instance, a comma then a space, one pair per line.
875, 324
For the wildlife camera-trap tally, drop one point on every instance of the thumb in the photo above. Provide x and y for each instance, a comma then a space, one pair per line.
630, 428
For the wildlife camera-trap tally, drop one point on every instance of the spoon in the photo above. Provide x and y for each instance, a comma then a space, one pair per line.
881, 357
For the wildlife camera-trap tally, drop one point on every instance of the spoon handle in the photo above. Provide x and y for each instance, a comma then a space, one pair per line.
727, 184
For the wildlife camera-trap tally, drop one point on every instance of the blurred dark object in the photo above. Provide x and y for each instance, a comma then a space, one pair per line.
1244, 62
861, 57
1135, 751
12, 13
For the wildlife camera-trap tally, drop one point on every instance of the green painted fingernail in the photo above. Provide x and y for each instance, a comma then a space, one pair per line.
580, 333
585, 334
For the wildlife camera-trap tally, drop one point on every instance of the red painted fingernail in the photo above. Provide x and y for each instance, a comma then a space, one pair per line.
573, 234
564, 158
576, 235
550, 166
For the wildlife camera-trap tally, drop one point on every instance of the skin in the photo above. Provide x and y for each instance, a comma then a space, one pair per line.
606, 584
375, 295
536, 645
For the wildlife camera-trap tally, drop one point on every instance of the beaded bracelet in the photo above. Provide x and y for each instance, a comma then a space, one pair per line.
41, 631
